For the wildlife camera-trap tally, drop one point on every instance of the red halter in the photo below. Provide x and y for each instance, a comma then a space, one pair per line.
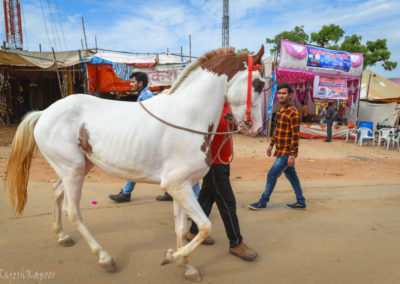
250, 68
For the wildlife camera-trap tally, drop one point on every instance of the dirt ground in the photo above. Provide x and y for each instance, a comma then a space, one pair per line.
348, 234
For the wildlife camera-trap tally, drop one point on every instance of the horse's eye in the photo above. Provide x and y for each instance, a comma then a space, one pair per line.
258, 85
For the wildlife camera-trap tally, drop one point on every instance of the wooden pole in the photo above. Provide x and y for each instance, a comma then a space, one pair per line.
86, 80
358, 96
40, 47
181, 54
58, 75
190, 48
369, 81
95, 41
84, 33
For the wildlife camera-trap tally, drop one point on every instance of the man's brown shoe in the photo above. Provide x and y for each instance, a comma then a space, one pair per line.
208, 241
244, 252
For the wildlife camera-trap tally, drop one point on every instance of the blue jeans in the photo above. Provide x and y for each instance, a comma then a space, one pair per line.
128, 188
196, 189
280, 166
130, 185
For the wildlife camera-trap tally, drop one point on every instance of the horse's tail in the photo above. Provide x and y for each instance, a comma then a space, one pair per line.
19, 163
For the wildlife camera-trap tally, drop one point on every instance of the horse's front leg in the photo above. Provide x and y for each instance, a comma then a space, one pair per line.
185, 199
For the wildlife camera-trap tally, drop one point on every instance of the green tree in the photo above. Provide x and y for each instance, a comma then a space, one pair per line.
326, 35
373, 51
352, 44
297, 34
377, 52
245, 50
330, 36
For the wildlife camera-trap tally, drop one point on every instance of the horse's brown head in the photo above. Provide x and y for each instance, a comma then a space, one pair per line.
244, 91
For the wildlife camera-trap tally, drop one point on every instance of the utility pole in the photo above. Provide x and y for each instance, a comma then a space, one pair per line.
225, 23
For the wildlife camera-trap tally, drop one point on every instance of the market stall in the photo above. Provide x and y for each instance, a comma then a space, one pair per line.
319, 76
108, 73
32, 80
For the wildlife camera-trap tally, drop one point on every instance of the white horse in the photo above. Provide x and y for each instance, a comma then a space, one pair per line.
80, 131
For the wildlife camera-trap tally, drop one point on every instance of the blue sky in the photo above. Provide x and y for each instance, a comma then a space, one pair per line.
154, 26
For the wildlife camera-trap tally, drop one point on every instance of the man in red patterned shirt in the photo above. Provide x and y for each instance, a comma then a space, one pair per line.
286, 141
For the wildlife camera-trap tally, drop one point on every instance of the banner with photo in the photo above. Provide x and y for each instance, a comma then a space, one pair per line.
330, 59
330, 88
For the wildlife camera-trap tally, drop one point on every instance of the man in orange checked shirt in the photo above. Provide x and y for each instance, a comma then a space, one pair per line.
286, 141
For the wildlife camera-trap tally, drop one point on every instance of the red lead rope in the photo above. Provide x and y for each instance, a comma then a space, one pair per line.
250, 68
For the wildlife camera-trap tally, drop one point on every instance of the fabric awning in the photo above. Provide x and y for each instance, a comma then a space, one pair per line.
43, 60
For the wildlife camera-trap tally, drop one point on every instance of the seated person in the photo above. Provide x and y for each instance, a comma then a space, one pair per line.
304, 112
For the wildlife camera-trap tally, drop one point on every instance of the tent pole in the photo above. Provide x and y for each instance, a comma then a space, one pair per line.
190, 48
58, 75
358, 97
84, 33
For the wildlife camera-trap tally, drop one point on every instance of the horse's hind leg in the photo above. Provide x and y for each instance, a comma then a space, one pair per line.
73, 188
58, 195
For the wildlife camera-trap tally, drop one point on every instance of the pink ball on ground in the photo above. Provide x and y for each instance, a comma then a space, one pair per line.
94, 202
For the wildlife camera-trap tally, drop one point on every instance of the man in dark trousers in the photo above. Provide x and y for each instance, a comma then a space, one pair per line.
286, 141
216, 187
330, 116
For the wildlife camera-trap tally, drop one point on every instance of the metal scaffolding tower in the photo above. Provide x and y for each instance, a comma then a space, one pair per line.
225, 23
12, 22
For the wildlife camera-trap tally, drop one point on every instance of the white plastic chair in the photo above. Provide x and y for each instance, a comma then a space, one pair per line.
351, 132
364, 135
396, 139
385, 134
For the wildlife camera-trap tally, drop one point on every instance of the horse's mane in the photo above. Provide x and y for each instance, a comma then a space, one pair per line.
223, 51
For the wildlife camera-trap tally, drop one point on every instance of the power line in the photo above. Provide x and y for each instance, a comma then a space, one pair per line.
53, 26
45, 25
62, 30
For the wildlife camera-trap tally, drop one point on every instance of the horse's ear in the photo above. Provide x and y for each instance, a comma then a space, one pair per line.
258, 56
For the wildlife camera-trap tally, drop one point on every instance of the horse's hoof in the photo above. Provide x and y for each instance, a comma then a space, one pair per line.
67, 242
168, 257
195, 277
108, 265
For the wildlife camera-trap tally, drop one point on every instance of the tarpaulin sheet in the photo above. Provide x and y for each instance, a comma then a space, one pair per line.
103, 78
379, 88
43, 60
384, 113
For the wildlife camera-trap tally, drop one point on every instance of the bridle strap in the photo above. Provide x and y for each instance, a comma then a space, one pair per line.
251, 68
228, 134
184, 128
